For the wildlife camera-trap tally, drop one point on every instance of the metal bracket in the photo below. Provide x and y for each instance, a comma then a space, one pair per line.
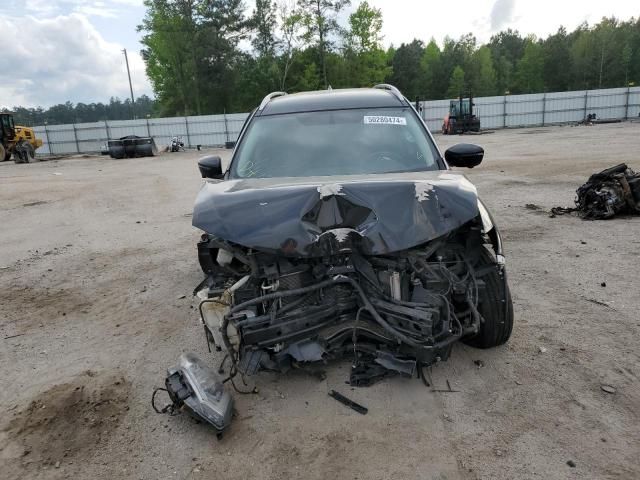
348, 402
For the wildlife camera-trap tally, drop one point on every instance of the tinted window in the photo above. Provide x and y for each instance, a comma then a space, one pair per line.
341, 142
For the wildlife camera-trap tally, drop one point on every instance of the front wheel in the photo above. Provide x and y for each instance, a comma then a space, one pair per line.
24, 153
495, 307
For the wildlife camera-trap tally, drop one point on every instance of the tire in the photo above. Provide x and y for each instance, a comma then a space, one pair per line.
498, 323
18, 154
24, 153
4, 153
30, 153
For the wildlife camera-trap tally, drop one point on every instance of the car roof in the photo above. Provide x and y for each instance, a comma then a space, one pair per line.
340, 99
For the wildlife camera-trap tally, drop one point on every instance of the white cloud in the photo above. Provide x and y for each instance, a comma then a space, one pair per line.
48, 8
96, 10
405, 20
502, 13
61, 55
65, 58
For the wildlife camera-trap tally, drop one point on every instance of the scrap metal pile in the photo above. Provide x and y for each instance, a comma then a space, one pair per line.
613, 191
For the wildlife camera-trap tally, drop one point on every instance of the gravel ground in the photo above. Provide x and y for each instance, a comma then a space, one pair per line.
96, 255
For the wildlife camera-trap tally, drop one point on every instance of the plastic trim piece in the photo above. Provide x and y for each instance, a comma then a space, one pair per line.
392, 89
268, 98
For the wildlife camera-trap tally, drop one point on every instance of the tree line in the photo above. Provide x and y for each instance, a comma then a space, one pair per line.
68, 112
197, 64
212, 56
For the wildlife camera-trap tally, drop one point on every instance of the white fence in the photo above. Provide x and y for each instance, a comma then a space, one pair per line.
215, 130
541, 109
205, 130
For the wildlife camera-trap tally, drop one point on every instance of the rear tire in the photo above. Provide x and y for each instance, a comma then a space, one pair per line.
4, 153
495, 307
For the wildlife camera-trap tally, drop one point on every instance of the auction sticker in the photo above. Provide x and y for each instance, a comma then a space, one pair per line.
384, 120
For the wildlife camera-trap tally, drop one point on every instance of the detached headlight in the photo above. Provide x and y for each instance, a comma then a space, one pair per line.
194, 385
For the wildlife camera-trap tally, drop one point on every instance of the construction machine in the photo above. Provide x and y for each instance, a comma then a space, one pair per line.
461, 118
17, 140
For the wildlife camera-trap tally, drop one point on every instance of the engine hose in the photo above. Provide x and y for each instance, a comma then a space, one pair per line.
378, 318
452, 338
299, 291
259, 320
477, 318
367, 305
227, 342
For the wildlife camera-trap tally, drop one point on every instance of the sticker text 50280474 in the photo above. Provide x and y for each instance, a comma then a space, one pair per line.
384, 120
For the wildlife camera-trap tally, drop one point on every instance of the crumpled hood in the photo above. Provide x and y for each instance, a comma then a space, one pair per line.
313, 216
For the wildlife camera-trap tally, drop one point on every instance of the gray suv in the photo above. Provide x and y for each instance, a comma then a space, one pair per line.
339, 231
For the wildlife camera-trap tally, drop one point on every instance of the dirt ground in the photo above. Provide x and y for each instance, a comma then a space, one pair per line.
96, 255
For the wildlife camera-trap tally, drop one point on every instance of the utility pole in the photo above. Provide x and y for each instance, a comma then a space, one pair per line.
126, 59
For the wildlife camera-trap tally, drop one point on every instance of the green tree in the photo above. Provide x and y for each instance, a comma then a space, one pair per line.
406, 68
583, 57
457, 53
626, 56
456, 83
557, 61
365, 28
484, 81
264, 22
430, 70
222, 25
190, 50
530, 68
195, 64
290, 19
507, 48
170, 53
309, 80
363, 53
319, 19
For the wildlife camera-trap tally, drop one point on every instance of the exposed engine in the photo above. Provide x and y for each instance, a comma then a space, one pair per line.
611, 191
392, 314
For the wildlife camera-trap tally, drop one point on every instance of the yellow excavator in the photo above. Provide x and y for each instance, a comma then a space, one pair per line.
17, 140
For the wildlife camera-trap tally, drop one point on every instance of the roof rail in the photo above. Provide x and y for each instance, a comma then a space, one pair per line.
392, 89
268, 98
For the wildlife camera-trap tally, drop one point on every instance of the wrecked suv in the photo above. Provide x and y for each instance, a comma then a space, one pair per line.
339, 231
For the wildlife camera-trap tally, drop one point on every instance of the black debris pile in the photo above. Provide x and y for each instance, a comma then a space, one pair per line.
613, 191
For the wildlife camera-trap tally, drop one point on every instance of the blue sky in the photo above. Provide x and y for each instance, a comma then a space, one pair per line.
71, 49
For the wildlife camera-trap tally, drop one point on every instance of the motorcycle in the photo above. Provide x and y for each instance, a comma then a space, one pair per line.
176, 144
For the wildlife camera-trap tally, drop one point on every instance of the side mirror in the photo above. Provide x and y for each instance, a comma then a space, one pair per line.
210, 167
464, 155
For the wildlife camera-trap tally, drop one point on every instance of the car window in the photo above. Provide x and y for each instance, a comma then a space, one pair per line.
339, 142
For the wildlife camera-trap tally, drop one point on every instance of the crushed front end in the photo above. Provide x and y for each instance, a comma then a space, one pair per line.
390, 291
